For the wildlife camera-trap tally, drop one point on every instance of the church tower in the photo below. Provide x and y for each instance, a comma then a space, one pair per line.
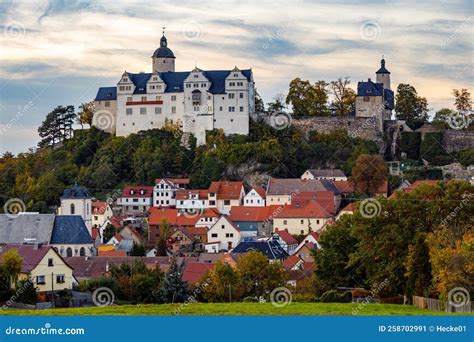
77, 201
383, 75
163, 58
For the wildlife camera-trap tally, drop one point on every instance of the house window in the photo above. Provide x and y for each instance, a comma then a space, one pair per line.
60, 278
143, 110
317, 221
107, 103
173, 110
50, 262
223, 226
40, 280
241, 95
214, 235
226, 202
73, 209
129, 111
285, 222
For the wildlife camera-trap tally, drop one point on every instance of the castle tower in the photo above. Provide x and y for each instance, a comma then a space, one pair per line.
163, 58
383, 75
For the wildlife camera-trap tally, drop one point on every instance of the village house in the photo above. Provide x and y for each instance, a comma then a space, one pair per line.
180, 241
222, 236
192, 201
300, 220
252, 221
271, 249
331, 174
164, 191
285, 239
255, 197
307, 246
225, 194
44, 266
101, 211
136, 199
347, 210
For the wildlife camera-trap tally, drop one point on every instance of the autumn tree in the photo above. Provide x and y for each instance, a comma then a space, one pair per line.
369, 173
162, 242
11, 266
408, 105
256, 276
222, 281
86, 112
307, 99
462, 100
344, 96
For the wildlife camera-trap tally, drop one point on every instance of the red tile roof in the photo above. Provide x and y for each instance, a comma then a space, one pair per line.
226, 189
147, 191
195, 271
98, 208
183, 194
172, 216
196, 230
211, 212
285, 236
311, 210
324, 198
250, 214
348, 208
290, 262
95, 231
259, 190
116, 222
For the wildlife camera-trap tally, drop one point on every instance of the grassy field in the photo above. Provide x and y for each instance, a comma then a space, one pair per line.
231, 309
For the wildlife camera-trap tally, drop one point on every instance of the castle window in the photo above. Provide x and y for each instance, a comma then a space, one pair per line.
125, 79
220, 109
203, 85
173, 110
241, 95
129, 111
231, 95
241, 108
73, 209
231, 109
158, 98
173, 97
69, 252
366, 99
196, 85
129, 99
143, 98
157, 110
155, 78
82, 252
236, 75
196, 76
196, 98
188, 85
107, 103
143, 110
240, 84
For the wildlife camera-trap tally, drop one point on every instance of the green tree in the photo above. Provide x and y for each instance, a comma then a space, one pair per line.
369, 173
57, 127
308, 99
138, 250
409, 106
278, 103
86, 112
11, 266
441, 117
26, 291
222, 281
256, 276
462, 100
259, 105
109, 232
173, 289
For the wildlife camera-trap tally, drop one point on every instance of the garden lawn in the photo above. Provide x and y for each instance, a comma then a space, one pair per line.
230, 309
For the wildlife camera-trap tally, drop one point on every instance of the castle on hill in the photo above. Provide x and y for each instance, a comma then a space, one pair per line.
196, 100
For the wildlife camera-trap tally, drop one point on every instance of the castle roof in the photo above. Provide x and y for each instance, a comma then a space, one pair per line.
106, 94
369, 88
163, 51
382, 69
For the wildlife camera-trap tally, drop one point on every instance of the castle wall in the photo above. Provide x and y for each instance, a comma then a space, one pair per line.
454, 141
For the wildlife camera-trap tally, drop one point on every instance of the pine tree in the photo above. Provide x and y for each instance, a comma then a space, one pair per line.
173, 289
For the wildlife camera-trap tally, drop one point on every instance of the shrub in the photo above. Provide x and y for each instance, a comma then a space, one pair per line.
360, 293
332, 296
250, 299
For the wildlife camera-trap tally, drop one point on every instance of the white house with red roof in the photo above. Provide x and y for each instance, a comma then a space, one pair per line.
222, 236
164, 191
285, 239
136, 199
225, 194
348, 209
192, 201
208, 218
101, 211
255, 197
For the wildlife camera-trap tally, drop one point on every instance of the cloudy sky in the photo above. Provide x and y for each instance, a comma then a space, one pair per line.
59, 52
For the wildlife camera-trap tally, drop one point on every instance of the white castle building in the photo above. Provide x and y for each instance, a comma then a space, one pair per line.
197, 100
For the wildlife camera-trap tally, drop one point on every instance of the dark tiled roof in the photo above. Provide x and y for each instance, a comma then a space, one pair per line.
76, 192
271, 249
382, 69
106, 94
163, 51
27, 227
287, 186
70, 229
369, 88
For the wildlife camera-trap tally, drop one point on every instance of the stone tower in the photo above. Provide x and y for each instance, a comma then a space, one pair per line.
163, 58
383, 75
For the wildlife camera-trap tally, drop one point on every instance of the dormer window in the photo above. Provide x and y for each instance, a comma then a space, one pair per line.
125, 79
236, 75
155, 78
132, 192
142, 192
196, 76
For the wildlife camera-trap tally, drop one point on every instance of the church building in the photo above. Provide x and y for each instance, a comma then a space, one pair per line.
197, 100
